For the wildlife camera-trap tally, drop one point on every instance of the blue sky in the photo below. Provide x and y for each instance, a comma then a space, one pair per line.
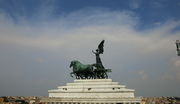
149, 12
39, 38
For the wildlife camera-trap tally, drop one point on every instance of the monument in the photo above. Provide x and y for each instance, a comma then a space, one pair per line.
90, 71
91, 86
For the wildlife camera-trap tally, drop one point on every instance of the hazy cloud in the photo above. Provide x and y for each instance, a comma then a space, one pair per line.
178, 3
40, 60
134, 4
177, 63
143, 75
157, 4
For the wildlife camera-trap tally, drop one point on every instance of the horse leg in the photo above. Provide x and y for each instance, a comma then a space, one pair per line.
80, 76
77, 76
71, 74
106, 75
92, 75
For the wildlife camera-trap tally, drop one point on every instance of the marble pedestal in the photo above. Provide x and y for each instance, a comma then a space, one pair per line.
93, 91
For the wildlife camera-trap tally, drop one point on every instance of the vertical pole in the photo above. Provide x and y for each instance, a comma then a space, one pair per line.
178, 47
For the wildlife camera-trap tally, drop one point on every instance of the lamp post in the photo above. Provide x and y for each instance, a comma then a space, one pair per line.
178, 47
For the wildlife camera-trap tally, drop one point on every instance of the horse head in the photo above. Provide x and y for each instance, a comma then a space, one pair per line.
73, 63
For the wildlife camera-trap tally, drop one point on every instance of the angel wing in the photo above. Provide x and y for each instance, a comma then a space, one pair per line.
101, 47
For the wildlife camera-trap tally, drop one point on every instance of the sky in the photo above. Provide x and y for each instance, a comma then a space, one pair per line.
39, 39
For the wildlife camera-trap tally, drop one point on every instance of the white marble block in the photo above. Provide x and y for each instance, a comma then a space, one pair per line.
93, 91
92, 88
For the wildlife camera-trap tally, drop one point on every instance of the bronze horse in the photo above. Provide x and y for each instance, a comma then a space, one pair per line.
82, 71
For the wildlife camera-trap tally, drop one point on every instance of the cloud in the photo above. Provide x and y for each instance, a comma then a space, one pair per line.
173, 72
57, 41
143, 75
178, 3
134, 4
40, 60
167, 77
177, 63
53, 35
178, 76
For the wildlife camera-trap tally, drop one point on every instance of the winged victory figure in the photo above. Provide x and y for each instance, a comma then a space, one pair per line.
99, 50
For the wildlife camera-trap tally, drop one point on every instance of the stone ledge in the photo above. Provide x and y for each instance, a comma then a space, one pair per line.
92, 100
86, 91
93, 83
93, 86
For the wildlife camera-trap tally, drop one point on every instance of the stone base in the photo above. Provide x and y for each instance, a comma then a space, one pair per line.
52, 100
92, 91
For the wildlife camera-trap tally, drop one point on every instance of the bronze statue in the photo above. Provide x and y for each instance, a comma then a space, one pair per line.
88, 71
100, 50
81, 71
